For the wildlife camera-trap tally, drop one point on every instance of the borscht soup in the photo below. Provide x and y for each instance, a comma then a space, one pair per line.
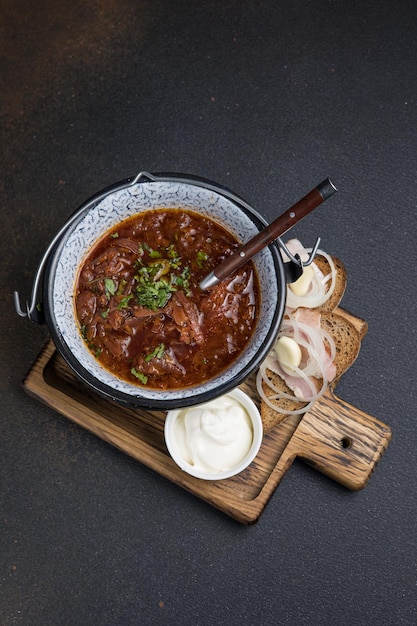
140, 309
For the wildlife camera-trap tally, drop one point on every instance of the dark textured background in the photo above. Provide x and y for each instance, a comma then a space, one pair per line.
268, 98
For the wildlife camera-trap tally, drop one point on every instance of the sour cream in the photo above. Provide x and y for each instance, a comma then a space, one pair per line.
214, 437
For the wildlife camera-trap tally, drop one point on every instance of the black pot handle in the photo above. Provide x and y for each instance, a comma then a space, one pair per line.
294, 267
33, 308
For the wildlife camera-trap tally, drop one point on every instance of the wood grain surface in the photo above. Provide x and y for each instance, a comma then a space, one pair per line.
336, 438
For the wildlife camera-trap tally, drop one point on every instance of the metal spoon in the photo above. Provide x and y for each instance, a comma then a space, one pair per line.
278, 227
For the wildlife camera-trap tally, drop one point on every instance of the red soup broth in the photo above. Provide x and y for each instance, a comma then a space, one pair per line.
141, 311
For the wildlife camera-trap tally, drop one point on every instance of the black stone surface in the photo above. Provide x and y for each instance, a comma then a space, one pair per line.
268, 98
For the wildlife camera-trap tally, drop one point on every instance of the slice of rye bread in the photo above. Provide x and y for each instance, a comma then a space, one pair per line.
341, 280
347, 342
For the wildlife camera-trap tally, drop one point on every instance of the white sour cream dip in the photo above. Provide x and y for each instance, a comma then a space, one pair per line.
215, 436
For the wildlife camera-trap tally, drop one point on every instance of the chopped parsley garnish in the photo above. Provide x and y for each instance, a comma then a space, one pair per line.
153, 292
201, 258
110, 287
172, 253
175, 259
152, 295
154, 254
183, 280
124, 303
114, 235
144, 247
122, 285
160, 276
104, 314
139, 375
156, 354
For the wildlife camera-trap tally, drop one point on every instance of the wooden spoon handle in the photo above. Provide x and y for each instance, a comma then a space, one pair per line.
277, 228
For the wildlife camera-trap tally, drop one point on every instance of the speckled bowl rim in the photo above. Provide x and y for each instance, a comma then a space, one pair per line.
106, 209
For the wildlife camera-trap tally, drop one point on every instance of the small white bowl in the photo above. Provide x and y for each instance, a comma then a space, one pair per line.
176, 448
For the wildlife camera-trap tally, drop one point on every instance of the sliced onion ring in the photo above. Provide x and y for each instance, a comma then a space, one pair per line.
315, 342
319, 291
268, 400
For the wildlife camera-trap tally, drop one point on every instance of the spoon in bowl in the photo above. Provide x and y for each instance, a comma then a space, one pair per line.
278, 227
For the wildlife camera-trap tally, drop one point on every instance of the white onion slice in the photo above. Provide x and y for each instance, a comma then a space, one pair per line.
269, 399
320, 349
319, 291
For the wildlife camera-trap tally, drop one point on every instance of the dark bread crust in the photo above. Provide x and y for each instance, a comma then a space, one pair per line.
341, 280
346, 338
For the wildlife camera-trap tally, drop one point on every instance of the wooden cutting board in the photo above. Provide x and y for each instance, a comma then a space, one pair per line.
336, 438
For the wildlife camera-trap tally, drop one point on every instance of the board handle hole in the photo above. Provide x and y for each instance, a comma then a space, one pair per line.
346, 443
